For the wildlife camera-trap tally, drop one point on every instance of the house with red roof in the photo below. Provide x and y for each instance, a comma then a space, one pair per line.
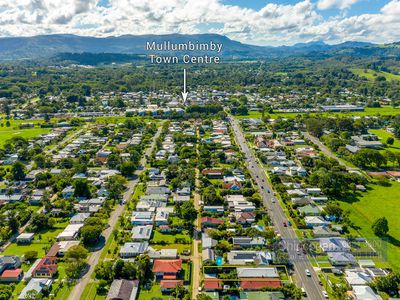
169, 285
167, 268
211, 285
232, 185
12, 275
211, 222
46, 268
213, 173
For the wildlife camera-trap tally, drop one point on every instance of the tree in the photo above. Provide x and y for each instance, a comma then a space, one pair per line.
388, 284
33, 295
390, 140
82, 188
30, 255
5, 292
380, 226
115, 186
90, 234
18, 170
144, 268
105, 271
188, 212
292, 291
77, 252
75, 259
127, 168
13, 221
203, 297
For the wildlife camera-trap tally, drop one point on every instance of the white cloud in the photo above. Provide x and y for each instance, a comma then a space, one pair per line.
273, 24
341, 4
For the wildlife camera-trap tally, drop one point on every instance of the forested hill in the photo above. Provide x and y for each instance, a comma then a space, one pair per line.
46, 46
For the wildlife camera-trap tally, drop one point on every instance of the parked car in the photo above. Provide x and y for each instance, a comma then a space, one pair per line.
326, 296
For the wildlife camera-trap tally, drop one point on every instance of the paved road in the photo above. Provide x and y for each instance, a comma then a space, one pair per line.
94, 257
325, 150
301, 262
196, 255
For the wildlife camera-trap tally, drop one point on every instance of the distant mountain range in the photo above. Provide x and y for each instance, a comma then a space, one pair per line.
47, 46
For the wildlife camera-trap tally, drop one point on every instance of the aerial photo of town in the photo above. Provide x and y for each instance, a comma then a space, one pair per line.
199, 150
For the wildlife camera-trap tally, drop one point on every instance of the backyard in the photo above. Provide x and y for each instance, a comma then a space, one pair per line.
376, 202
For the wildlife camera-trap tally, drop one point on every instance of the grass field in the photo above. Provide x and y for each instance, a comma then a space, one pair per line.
369, 111
154, 292
159, 237
7, 133
377, 202
41, 241
371, 74
384, 135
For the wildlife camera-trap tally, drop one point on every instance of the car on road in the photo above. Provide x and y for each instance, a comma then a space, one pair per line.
326, 296
303, 292
284, 224
273, 200
308, 273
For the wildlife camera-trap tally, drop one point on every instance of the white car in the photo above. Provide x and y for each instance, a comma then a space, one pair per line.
308, 273
325, 294
273, 200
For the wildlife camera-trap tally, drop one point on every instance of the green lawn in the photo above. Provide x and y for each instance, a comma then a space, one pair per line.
90, 292
41, 241
377, 202
371, 74
7, 133
384, 135
369, 111
159, 237
179, 247
154, 292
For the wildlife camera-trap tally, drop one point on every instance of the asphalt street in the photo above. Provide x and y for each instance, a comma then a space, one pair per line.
300, 261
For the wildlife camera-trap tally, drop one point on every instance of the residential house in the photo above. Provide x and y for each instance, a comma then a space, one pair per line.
129, 250
244, 257
167, 269
215, 209
208, 255
213, 173
46, 268
79, 218
312, 221
25, 238
122, 289
211, 222
249, 242
167, 286
14, 275
142, 218
70, 233
142, 233
36, 284
68, 192
334, 245
9, 262
341, 258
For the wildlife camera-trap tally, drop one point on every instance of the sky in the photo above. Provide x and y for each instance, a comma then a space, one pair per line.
259, 22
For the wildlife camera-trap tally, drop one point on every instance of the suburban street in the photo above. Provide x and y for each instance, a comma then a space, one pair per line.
327, 152
196, 255
300, 261
94, 257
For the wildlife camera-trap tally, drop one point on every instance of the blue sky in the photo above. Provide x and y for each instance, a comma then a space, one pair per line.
258, 22
362, 7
